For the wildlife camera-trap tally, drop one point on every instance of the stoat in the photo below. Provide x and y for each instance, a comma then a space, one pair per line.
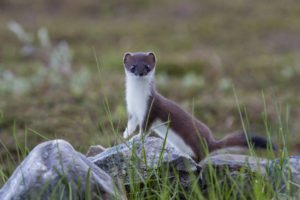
149, 110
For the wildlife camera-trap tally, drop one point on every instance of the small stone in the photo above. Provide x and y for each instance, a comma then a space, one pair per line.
94, 150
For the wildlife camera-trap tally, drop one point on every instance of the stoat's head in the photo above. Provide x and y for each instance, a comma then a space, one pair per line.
139, 64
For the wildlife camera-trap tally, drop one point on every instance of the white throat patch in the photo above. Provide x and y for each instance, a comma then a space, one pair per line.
138, 90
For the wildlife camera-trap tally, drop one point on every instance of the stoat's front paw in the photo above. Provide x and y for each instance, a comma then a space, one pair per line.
135, 137
126, 134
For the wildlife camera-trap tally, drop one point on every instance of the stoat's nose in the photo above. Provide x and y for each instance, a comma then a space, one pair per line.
139, 73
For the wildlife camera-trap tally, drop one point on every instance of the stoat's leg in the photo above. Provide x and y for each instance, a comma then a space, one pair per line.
131, 126
138, 135
140, 132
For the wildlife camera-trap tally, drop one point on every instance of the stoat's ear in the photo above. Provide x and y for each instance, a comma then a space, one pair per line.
127, 55
152, 58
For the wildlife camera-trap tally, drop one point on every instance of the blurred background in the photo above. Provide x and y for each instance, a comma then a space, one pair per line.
61, 73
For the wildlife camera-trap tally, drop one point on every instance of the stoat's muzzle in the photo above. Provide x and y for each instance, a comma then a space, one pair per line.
140, 70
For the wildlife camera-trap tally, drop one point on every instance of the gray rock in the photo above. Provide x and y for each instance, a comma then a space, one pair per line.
234, 162
285, 175
232, 170
54, 170
144, 157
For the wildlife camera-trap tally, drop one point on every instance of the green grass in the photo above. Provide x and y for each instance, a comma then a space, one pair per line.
161, 184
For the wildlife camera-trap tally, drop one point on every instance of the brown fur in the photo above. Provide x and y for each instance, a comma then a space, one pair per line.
194, 132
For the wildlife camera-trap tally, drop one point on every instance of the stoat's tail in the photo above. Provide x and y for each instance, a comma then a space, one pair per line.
240, 140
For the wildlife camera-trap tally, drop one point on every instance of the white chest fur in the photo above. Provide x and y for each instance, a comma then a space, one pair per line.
161, 129
138, 90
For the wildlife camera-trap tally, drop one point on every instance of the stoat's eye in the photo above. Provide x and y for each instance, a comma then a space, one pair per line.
147, 68
132, 68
